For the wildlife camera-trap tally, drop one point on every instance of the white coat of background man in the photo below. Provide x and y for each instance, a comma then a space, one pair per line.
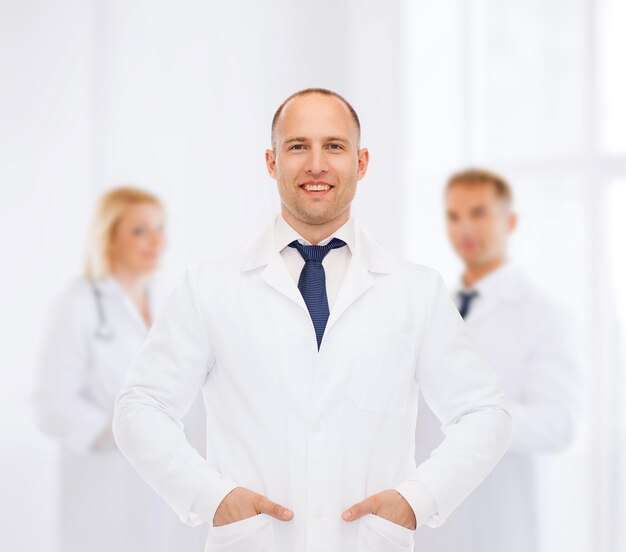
529, 339
310, 372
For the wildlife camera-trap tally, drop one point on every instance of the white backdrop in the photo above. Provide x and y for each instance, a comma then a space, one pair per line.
178, 97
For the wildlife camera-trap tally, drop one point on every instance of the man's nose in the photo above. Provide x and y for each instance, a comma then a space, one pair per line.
466, 232
316, 162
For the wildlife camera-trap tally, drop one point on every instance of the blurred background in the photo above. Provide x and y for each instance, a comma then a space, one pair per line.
177, 97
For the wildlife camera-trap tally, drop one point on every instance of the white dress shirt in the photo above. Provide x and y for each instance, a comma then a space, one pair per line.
335, 262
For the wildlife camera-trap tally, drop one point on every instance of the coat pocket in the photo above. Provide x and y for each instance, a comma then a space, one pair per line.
382, 373
377, 533
253, 534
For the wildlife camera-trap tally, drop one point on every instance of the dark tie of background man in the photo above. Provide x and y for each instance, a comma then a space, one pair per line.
466, 302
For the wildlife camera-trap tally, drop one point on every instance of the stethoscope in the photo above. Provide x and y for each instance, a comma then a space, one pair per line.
103, 331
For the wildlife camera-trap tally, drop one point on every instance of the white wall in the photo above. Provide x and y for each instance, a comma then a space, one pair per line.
46, 138
184, 100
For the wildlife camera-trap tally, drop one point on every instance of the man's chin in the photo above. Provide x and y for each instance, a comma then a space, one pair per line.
317, 218
473, 261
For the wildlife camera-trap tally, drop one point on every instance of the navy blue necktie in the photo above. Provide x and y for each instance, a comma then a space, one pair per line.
466, 302
312, 282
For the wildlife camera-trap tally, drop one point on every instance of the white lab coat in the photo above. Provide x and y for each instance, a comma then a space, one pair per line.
314, 431
530, 339
104, 505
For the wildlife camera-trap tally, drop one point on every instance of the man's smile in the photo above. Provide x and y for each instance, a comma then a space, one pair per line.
316, 188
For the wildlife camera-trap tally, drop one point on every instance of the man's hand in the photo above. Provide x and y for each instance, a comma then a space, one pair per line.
241, 503
389, 504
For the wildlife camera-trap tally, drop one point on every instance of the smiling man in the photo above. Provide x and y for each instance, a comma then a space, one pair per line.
309, 346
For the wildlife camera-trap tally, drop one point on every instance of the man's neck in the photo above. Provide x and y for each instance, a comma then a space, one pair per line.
474, 273
315, 233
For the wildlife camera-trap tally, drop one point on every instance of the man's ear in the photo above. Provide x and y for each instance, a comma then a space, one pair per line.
364, 159
512, 222
270, 162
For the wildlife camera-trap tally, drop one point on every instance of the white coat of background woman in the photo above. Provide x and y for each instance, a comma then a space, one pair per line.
95, 328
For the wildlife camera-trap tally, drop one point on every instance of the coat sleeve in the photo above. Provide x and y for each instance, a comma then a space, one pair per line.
460, 387
545, 414
61, 408
160, 387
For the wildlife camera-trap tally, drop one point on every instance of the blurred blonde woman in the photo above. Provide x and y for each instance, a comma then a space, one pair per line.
96, 327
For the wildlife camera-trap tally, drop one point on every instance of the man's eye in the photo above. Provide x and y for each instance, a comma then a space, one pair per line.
296, 147
139, 231
335, 146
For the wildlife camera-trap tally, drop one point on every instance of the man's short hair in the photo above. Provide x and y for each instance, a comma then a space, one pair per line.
476, 176
323, 92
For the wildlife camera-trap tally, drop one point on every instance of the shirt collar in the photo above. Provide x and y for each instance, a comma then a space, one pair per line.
488, 284
109, 284
284, 234
507, 283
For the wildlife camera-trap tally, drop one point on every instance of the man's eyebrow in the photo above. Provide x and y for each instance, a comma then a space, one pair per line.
295, 139
303, 139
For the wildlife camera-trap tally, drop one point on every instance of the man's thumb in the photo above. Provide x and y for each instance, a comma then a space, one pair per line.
360, 509
270, 508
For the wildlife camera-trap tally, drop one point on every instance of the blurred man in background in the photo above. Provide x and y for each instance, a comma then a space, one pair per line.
529, 340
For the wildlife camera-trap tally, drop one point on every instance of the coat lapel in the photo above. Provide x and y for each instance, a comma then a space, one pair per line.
356, 282
110, 287
508, 287
367, 259
277, 276
262, 254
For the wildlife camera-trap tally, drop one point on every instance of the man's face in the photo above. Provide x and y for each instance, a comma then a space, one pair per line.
316, 161
479, 222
